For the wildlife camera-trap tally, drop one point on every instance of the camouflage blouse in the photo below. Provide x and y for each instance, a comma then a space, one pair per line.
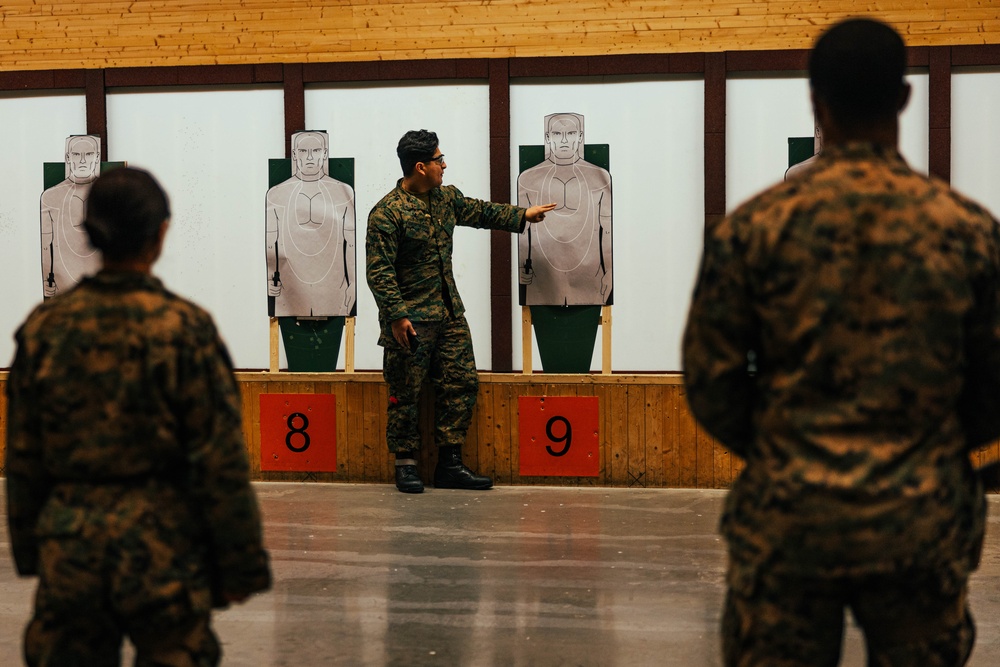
409, 250
844, 339
121, 384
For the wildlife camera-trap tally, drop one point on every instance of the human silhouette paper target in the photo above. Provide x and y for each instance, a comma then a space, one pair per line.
67, 256
310, 235
568, 260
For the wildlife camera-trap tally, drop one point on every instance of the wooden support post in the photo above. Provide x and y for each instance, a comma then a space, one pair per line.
275, 342
606, 336
349, 345
525, 340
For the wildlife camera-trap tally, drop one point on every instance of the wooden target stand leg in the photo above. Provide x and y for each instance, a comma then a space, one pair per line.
606, 340
349, 345
275, 342
349, 329
526, 340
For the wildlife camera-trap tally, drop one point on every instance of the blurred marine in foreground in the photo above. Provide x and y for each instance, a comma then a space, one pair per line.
844, 339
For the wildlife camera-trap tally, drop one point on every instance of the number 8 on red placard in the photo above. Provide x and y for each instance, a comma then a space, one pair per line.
298, 432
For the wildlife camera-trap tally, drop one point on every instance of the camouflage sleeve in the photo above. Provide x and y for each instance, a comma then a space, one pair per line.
381, 245
977, 405
720, 334
486, 214
219, 472
28, 484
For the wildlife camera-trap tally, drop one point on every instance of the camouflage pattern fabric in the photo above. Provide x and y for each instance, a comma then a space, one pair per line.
409, 248
444, 356
844, 339
409, 269
127, 476
126, 564
907, 620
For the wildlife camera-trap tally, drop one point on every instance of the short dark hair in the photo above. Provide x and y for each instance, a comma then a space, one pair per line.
125, 210
416, 146
856, 68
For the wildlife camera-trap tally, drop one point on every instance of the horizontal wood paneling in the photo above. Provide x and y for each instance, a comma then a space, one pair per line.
648, 437
635, 429
89, 34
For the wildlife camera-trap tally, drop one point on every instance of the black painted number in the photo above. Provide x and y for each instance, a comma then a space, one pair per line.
567, 436
292, 430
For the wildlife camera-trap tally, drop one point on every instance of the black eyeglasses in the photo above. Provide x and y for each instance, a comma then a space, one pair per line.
439, 159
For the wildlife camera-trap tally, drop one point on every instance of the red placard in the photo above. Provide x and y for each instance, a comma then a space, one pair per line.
298, 432
559, 436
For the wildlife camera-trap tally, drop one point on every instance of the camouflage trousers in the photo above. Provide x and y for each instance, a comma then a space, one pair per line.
116, 562
789, 621
443, 357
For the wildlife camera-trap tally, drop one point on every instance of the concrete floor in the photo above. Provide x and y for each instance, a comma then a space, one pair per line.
514, 576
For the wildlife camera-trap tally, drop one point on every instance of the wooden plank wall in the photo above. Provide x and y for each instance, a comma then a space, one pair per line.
647, 435
91, 34
648, 438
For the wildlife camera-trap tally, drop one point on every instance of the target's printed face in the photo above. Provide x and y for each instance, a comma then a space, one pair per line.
564, 138
309, 155
84, 158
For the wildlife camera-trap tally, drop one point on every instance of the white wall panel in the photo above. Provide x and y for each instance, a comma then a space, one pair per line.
975, 135
209, 149
762, 112
33, 130
366, 121
655, 133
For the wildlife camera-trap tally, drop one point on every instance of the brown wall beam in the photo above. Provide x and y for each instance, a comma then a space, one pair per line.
767, 61
295, 104
97, 108
626, 65
396, 70
43, 79
208, 75
939, 121
715, 136
983, 55
501, 299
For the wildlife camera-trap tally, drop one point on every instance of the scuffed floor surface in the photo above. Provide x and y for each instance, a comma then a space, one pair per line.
513, 576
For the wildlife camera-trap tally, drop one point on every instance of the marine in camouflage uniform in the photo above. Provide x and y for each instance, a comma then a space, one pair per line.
866, 297
409, 247
127, 476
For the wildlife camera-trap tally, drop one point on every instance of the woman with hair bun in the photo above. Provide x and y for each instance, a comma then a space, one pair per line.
127, 475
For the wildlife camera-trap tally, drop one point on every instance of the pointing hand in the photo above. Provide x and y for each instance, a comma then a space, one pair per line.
537, 213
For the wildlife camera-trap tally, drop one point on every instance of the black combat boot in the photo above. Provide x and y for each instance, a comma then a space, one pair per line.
407, 477
450, 473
